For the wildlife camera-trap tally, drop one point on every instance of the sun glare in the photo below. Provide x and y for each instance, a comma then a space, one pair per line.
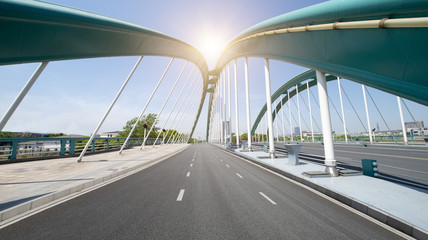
211, 46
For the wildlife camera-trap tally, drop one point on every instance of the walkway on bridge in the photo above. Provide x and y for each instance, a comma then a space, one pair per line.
31, 184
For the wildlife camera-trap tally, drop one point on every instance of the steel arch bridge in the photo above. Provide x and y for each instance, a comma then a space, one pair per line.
381, 44
35, 31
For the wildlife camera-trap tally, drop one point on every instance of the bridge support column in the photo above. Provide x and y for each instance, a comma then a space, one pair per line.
403, 126
236, 108
289, 116
229, 105
298, 113
283, 117
269, 109
343, 111
367, 113
310, 111
247, 100
329, 162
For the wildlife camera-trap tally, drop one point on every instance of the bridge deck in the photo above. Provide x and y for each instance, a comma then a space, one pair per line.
216, 176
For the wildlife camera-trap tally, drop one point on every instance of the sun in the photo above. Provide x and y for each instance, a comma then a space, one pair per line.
211, 46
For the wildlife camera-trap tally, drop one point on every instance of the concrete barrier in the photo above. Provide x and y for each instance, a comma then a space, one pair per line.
293, 153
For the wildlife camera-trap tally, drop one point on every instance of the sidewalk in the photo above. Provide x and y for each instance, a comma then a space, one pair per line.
399, 206
27, 185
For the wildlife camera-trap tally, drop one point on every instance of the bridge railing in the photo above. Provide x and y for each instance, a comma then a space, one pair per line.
26, 148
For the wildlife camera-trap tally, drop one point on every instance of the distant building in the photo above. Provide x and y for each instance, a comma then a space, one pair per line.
110, 134
416, 128
417, 124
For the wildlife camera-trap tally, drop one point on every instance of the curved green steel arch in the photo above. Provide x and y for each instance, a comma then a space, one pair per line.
393, 60
284, 90
33, 31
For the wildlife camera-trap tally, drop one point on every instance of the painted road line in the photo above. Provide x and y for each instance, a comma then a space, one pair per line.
227, 165
180, 195
188, 174
191, 165
270, 200
239, 175
221, 160
193, 160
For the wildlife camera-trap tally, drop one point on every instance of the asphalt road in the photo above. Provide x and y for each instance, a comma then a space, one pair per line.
200, 193
399, 163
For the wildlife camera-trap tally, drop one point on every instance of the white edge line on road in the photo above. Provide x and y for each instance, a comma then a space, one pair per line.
227, 165
363, 215
270, 200
193, 160
239, 175
180, 195
188, 174
191, 165
221, 160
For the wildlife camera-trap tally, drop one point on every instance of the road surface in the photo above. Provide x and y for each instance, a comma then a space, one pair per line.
200, 193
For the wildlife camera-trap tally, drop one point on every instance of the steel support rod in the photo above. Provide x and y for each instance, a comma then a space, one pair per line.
172, 109
343, 111
330, 161
145, 107
289, 116
176, 101
185, 108
269, 109
367, 112
163, 106
22, 94
189, 109
247, 101
403, 126
310, 112
236, 106
184, 100
108, 111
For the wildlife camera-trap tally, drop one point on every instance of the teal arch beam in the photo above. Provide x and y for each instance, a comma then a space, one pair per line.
33, 31
384, 55
284, 90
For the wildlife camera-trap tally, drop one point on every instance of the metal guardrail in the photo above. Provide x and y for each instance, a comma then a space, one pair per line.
21, 148
419, 139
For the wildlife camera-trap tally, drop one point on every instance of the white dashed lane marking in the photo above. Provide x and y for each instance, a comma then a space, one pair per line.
270, 200
180, 195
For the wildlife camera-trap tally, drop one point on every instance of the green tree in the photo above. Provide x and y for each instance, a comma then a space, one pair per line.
148, 119
8, 135
56, 134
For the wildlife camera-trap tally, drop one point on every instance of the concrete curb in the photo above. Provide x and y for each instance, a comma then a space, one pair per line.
46, 199
375, 213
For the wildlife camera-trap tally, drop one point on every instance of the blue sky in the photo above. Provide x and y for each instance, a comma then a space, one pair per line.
72, 96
